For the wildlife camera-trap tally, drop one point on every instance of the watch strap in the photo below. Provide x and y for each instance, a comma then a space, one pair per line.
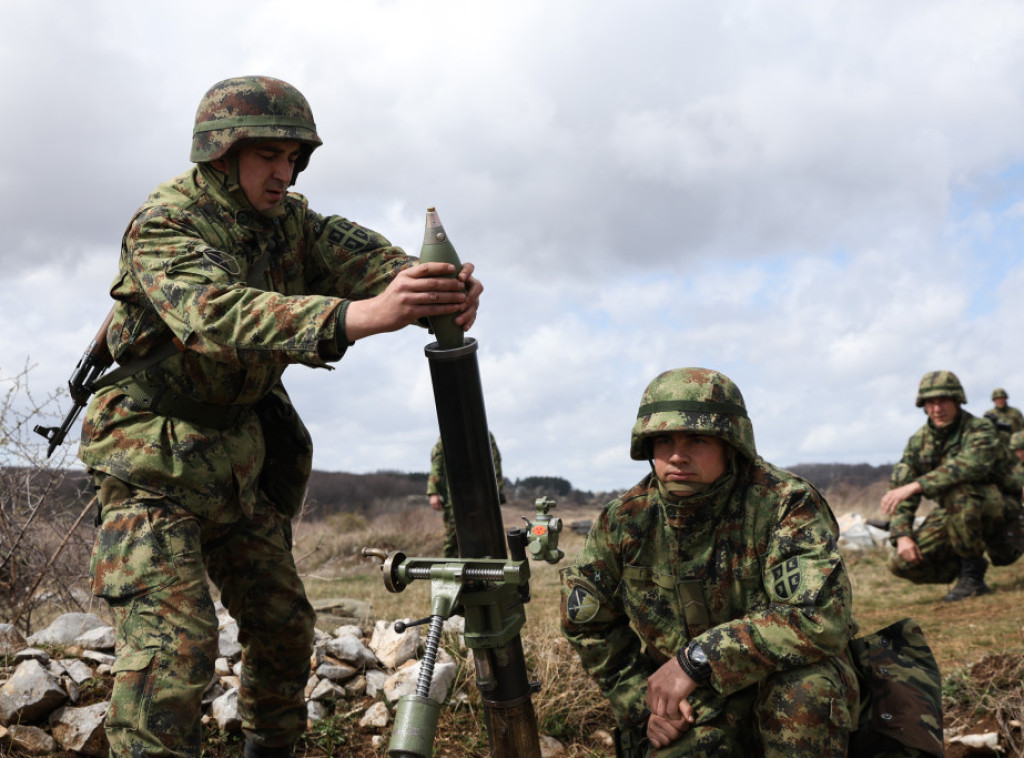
698, 672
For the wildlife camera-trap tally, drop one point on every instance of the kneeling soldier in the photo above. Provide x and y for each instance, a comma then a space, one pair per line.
710, 602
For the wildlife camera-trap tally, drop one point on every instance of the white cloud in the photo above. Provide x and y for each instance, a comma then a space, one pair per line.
822, 200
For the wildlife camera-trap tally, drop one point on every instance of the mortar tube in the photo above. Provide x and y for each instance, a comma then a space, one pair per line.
458, 394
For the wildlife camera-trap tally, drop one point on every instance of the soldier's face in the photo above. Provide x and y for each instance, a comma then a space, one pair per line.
1019, 454
1000, 402
686, 457
941, 410
265, 170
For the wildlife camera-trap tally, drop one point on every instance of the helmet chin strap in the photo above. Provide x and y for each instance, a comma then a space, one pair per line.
675, 490
233, 186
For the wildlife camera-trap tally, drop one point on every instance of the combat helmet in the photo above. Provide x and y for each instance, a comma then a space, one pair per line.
252, 107
1017, 440
697, 400
999, 392
940, 384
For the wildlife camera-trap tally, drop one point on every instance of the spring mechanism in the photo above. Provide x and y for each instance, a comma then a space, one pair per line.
487, 574
429, 656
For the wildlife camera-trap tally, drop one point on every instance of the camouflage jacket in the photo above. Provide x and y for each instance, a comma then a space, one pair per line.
966, 451
751, 570
1007, 420
186, 258
437, 479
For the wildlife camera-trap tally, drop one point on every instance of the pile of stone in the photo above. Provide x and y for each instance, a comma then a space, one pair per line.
360, 661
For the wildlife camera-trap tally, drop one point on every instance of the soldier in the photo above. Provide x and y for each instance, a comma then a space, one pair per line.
1017, 445
441, 500
1006, 418
710, 602
957, 460
198, 456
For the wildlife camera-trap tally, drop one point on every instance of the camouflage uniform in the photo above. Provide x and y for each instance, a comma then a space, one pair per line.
749, 569
437, 484
1007, 419
200, 458
970, 474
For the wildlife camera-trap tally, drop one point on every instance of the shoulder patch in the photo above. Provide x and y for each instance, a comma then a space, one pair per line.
222, 261
786, 578
582, 604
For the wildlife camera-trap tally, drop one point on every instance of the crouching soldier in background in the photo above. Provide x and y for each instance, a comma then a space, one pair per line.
957, 460
1017, 448
1006, 418
710, 602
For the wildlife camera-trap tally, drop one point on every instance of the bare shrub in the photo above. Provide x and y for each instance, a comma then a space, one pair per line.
45, 535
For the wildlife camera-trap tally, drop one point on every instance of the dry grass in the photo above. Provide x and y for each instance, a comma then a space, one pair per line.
978, 642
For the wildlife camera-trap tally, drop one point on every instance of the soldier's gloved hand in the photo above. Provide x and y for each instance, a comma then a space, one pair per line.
662, 732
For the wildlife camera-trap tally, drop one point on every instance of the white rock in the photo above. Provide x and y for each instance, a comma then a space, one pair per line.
81, 729
404, 681
225, 711
350, 649
100, 638
989, 740
551, 748
375, 680
391, 648
375, 716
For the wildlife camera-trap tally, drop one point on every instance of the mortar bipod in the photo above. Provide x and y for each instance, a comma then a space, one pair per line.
489, 593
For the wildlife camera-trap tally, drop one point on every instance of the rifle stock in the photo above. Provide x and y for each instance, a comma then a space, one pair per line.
90, 367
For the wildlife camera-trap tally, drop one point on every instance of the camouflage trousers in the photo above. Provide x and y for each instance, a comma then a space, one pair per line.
150, 563
969, 521
451, 538
806, 711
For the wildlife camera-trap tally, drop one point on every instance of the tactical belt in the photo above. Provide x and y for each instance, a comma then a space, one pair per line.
167, 402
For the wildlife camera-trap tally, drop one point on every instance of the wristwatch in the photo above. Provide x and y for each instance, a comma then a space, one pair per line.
694, 661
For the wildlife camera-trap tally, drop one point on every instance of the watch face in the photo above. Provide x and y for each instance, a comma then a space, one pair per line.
697, 655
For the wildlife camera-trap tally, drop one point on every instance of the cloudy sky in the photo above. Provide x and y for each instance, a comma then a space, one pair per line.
823, 200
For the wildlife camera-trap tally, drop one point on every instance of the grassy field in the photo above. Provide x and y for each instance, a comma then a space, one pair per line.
978, 642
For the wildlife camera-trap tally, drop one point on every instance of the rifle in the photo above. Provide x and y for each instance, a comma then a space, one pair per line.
91, 365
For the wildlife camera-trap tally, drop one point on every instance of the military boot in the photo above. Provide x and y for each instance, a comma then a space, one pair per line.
253, 750
972, 580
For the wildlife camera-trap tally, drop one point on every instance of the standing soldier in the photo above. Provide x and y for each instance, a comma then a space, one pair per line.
710, 602
957, 460
1006, 418
441, 499
199, 458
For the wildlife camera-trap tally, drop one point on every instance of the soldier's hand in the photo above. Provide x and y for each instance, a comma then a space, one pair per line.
894, 497
908, 550
415, 293
667, 690
473, 290
662, 732
435, 502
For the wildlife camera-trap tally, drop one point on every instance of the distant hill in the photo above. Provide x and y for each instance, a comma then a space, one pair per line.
826, 476
339, 492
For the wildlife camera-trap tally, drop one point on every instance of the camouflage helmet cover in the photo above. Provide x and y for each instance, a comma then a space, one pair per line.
1017, 440
697, 400
940, 384
999, 392
252, 107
